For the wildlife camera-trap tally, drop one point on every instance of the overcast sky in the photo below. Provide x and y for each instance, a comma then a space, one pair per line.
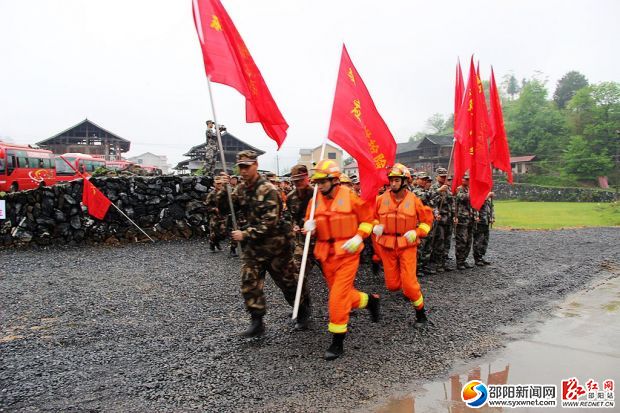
134, 66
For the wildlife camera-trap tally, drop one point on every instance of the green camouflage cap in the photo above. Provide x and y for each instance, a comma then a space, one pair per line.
299, 172
441, 172
247, 157
423, 175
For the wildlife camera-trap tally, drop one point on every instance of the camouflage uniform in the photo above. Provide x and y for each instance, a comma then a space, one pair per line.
297, 202
266, 245
210, 151
481, 230
464, 227
217, 221
443, 205
424, 250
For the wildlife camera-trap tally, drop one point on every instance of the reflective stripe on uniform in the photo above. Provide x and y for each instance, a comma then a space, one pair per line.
365, 227
418, 302
337, 328
363, 300
425, 227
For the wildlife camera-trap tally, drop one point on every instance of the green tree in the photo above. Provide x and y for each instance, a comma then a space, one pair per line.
511, 85
567, 87
436, 124
533, 124
583, 162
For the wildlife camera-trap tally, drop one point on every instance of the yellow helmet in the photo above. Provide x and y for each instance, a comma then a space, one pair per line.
344, 179
326, 169
400, 170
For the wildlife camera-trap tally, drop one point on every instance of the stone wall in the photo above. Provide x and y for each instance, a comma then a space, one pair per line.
529, 192
165, 207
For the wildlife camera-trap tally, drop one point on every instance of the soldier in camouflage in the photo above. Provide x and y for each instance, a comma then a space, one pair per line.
210, 149
422, 191
217, 221
464, 224
449, 228
483, 220
266, 246
442, 202
297, 202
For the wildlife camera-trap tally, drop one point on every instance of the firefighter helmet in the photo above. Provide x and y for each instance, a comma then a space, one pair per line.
326, 169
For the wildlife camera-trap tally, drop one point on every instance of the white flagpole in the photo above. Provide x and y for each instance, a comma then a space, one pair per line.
222, 157
304, 258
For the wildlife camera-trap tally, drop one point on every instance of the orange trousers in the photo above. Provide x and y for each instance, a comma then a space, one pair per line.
339, 272
399, 267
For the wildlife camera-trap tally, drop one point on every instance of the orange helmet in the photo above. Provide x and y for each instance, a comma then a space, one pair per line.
400, 170
326, 169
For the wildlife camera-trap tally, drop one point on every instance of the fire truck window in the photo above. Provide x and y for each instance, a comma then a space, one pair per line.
1, 166
22, 162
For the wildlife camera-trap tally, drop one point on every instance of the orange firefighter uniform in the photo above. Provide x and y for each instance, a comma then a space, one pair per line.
402, 222
338, 219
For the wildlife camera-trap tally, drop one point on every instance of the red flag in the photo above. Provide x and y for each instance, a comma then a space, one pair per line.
461, 163
95, 201
500, 152
359, 129
228, 61
472, 133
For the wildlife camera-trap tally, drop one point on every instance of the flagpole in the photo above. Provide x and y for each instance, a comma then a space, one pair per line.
111, 203
304, 257
222, 158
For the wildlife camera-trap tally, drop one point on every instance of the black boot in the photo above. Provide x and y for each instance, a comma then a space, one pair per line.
336, 349
461, 266
212, 247
420, 318
303, 317
479, 263
374, 307
485, 262
468, 265
257, 327
233, 252
218, 246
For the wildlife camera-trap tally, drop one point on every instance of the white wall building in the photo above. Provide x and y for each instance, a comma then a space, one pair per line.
150, 159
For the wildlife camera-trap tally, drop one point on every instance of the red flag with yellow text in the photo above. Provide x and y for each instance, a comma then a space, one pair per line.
472, 132
228, 61
359, 129
500, 152
96, 202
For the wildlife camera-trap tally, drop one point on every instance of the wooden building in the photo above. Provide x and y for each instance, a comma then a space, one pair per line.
89, 138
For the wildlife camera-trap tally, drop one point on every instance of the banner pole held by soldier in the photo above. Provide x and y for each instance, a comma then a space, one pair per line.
304, 258
223, 158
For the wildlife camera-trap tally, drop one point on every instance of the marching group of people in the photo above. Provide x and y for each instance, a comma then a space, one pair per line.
408, 230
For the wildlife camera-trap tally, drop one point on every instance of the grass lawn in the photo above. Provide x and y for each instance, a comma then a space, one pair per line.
555, 215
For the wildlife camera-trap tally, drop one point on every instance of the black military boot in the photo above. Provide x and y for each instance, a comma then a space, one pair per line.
303, 317
468, 265
233, 252
460, 266
420, 318
212, 247
218, 246
374, 307
430, 269
336, 349
485, 262
256, 328
479, 263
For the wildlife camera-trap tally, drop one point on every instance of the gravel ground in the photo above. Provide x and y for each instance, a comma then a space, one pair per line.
154, 327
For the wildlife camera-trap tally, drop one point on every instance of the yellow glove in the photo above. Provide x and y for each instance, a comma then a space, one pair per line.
410, 236
353, 244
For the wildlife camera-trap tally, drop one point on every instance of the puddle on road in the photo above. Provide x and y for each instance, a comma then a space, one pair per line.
580, 340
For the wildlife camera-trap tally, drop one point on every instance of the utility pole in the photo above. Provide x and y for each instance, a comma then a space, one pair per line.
277, 165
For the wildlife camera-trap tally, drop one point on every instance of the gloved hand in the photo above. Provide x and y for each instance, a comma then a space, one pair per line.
353, 244
377, 230
310, 225
410, 236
